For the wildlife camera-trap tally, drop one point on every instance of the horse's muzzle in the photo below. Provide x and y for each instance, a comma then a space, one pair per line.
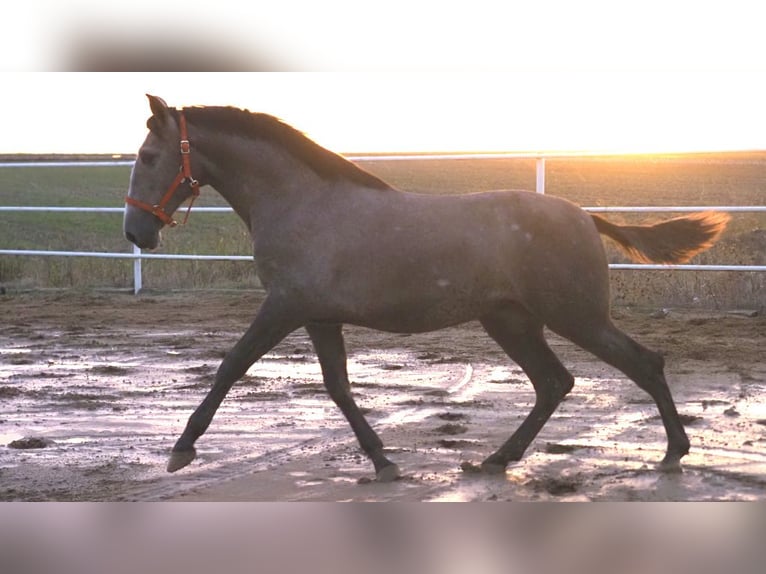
141, 229
143, 244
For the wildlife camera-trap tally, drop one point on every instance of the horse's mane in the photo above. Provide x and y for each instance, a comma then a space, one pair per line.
265, 127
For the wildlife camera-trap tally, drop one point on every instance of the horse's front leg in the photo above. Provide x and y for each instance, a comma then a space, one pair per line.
329, 347
272, 324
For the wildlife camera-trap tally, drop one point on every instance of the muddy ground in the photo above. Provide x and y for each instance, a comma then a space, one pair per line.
103, 383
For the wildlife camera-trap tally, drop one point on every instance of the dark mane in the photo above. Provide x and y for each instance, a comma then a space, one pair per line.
259, 126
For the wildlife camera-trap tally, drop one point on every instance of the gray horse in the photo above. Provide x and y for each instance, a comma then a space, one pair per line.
335, 244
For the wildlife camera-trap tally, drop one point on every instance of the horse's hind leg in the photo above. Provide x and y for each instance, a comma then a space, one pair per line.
329, 347
521, 337
644, 367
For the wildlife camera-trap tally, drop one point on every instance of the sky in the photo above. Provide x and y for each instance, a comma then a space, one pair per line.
585, 110
595, 76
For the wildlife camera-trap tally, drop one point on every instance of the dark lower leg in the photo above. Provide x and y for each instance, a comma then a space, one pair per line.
678, 441
515, 447
369, 441
522, 339
268, 329
183, 451
330, 349
549, 394
645, 368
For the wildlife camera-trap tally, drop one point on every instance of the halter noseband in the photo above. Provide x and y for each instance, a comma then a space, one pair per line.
184, 175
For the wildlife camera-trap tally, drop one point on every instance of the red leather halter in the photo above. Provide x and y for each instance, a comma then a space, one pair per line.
184, 175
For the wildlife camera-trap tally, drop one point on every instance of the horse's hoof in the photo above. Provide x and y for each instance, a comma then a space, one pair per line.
489, 467
180, 458
470, 468
670, 466
388, 473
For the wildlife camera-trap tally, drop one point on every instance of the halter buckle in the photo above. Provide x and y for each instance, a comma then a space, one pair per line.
160, 213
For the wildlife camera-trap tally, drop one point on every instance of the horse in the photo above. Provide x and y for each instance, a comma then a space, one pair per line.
334, 245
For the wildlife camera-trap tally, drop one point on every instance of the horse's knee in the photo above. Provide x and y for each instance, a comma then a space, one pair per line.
231, 369
555, 390
564, 387
340, 392
566, 384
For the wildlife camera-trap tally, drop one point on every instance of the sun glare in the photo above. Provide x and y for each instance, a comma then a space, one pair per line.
566, 111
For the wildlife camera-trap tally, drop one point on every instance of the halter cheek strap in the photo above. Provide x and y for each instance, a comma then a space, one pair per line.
184, 176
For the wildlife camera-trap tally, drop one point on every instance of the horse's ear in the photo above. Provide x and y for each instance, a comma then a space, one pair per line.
159, 108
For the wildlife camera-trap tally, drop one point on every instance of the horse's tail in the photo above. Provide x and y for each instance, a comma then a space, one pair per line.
672, 241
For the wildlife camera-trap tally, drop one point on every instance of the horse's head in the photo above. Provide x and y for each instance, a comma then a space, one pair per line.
162, 176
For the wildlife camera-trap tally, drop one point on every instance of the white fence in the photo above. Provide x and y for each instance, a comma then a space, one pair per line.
137, 255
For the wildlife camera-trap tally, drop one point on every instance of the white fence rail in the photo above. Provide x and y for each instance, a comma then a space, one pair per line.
137, 255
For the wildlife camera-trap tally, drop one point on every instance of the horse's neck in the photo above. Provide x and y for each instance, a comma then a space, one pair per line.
260, 177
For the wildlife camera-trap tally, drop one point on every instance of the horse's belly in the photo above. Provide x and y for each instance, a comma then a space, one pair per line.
406, 313
403, 324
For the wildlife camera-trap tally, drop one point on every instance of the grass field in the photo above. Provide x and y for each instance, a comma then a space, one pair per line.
700, 179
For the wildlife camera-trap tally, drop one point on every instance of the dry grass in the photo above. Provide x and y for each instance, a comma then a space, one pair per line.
709, 179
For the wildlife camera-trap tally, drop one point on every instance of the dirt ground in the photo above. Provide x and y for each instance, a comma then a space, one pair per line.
102, 384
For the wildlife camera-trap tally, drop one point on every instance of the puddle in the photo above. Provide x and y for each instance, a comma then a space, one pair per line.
113, 395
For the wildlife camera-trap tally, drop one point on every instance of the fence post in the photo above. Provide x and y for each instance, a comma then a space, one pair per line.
540, 185
137, 279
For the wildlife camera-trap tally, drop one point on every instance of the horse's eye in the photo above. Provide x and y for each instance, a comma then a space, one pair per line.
147, 157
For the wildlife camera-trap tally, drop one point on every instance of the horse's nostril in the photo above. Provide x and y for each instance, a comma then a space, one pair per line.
130, 237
